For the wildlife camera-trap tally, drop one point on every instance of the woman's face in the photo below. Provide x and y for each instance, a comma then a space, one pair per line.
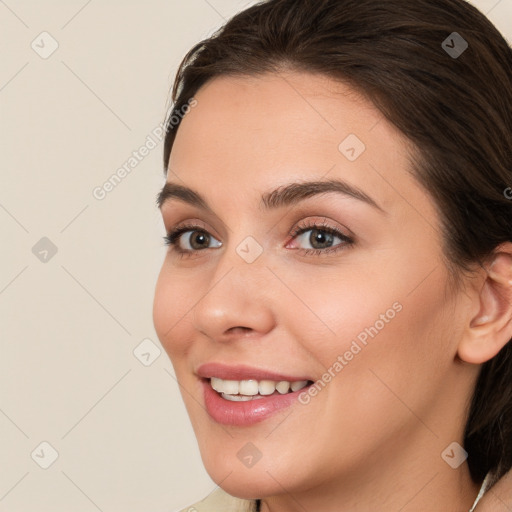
345, 287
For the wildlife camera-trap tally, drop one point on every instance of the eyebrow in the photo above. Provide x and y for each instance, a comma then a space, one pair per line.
284, 195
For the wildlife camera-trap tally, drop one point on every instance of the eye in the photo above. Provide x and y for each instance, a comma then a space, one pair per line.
189, 239
320, 238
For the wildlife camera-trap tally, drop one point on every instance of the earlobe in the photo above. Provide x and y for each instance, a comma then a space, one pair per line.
490, 329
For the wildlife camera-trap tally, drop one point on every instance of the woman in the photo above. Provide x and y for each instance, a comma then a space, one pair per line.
337, 295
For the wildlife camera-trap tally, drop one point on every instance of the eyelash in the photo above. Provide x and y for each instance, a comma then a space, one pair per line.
172, 238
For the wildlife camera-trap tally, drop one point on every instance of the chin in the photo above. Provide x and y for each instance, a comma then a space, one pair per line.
263, 479
247, 484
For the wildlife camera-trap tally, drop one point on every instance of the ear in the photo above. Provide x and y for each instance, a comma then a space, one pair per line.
490, 327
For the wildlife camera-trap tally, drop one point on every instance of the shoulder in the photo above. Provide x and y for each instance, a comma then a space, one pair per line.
220, 501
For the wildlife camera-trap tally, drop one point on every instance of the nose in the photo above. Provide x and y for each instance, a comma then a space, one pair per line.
237, 299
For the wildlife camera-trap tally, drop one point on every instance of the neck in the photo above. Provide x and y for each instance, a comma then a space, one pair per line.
420, 483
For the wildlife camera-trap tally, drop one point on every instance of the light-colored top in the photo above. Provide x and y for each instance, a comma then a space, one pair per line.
485, 485
220, 501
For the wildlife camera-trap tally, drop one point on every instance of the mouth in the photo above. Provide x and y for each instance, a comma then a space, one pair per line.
252, 389
243, 396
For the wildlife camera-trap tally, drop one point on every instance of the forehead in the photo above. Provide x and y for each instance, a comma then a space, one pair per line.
255, 133
284, 107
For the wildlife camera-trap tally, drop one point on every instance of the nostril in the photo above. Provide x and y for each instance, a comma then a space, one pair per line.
239, 328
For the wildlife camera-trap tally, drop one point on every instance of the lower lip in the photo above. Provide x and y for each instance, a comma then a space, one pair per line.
242, 414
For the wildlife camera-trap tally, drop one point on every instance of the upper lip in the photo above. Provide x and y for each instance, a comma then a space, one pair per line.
243, 372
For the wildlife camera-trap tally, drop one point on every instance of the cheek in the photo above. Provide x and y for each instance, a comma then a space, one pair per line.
405, 354
171, 305
386, 325
336, 311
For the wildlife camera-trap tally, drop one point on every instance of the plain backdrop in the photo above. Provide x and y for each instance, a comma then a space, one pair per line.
91, 417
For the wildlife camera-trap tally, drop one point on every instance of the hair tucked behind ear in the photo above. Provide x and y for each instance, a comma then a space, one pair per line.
457, 112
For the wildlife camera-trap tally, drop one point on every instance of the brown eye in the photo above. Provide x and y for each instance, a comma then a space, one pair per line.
198, 240
319, 239
190, 239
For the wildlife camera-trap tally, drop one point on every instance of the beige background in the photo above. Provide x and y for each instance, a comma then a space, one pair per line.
69, 324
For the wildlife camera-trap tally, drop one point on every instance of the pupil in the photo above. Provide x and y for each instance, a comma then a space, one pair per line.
201, 237
324, 239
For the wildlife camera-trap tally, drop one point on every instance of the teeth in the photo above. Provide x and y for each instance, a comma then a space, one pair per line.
215, 383
230, 387
248, 387
240, 398
241, 391
266, 387
283, 387
298, 385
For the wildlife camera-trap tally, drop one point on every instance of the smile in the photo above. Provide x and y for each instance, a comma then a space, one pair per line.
240, 395
252, 389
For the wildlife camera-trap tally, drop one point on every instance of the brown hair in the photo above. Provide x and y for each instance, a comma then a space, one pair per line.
455, 109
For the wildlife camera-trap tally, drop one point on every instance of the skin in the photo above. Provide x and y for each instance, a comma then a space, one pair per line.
499, 497
372, 438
